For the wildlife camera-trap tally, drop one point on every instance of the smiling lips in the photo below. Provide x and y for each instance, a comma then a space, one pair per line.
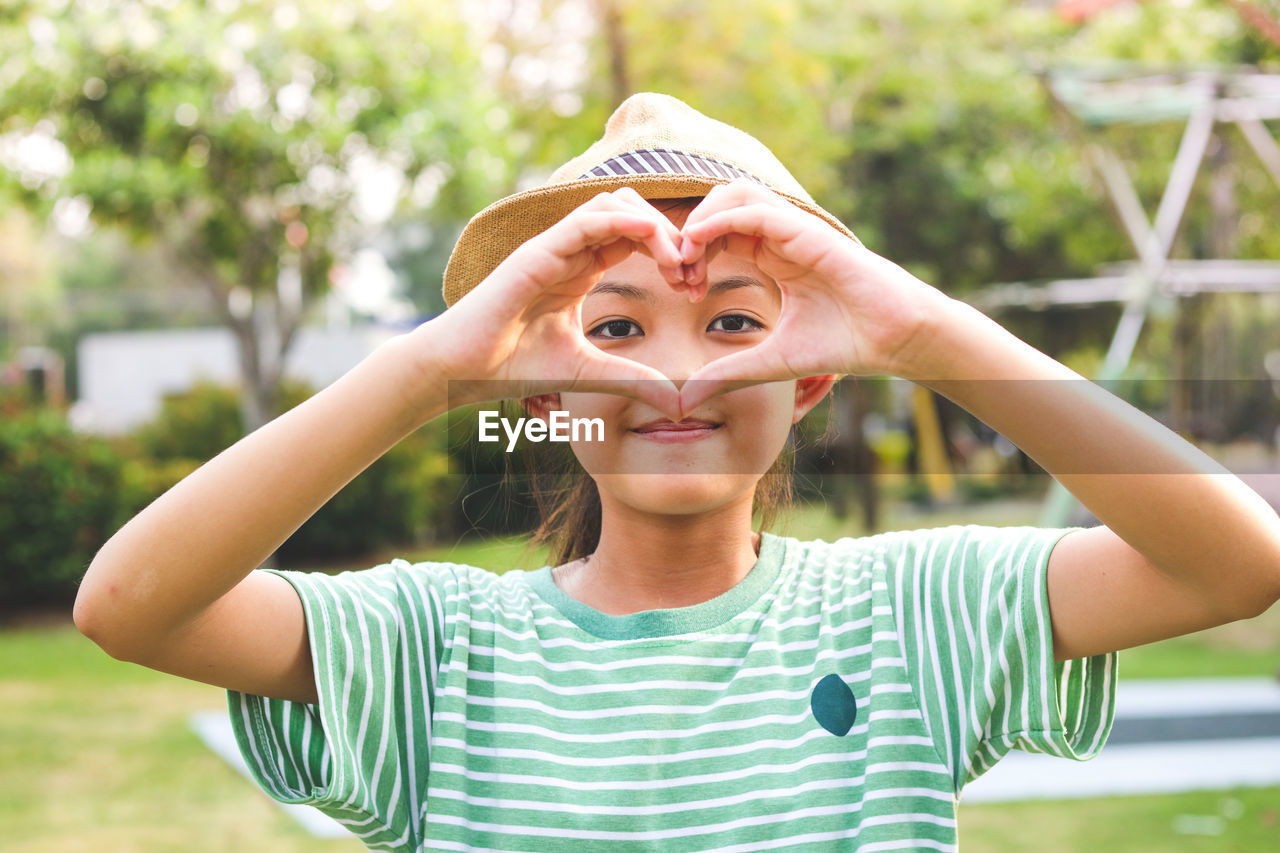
672, 432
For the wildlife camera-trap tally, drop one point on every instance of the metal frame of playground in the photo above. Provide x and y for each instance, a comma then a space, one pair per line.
1203, 97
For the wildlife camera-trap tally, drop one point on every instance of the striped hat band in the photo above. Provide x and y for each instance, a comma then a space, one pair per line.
665, 161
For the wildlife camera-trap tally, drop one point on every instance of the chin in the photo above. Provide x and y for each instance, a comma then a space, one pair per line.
676, 494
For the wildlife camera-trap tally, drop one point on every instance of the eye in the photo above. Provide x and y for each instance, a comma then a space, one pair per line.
736, 323
615, 330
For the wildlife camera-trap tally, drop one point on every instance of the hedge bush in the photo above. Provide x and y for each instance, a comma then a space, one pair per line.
405, 497
61, 496
195, 424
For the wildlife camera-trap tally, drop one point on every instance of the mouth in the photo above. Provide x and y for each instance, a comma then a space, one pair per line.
676, 432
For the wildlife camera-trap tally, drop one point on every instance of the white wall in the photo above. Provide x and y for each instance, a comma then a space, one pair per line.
124, 375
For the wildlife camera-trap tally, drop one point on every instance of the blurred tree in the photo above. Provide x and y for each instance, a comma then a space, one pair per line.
537, 55
936, 149
917, 122
922, 124
253, 143
27, 284
1257, 16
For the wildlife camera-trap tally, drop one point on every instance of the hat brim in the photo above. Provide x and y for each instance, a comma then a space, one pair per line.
502, 227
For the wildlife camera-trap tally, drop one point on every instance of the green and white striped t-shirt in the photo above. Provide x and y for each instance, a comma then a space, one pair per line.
838, 698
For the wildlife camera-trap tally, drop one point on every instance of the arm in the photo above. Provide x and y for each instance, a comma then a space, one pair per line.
175, 590
172, 590
1186, 545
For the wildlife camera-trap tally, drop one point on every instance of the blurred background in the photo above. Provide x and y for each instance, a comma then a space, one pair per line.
209, 210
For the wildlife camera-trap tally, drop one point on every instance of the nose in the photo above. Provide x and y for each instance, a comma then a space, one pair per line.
676, 356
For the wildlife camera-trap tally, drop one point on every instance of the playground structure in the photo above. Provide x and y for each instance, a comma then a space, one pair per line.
1204, 98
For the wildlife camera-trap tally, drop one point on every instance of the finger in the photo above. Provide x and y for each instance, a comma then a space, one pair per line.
759, 221
699, 245
724, 197
666, 256
664, 247
754, 366
585, 241
694, 288
627, 201
736, 193
611, 374
586, 229
695, 273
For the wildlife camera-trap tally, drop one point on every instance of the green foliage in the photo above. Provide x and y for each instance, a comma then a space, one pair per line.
923, 124
401, 499
195, 424
218, 128
28, 286
251, 142
61, 496
918, 123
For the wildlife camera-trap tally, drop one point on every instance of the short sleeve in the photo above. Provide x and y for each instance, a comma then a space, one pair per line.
973, 620
377, 640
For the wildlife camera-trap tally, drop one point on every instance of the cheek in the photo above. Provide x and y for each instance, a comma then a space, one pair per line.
591, 405
610, 409
766, 417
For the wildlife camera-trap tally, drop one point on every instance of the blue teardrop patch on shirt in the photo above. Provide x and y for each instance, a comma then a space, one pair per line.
833, 705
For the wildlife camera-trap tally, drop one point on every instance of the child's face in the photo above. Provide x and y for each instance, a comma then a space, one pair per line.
635, 314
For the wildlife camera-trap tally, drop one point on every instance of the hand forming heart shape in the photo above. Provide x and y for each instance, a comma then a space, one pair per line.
844, 309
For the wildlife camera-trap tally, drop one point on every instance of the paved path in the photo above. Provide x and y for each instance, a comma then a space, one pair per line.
1169, 736
1265, 483
214, 728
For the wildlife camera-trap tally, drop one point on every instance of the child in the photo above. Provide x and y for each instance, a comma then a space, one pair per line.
677, 681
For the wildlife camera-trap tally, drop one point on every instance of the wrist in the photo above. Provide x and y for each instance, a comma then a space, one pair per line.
925, 350
446, 361
956, 342
417, 361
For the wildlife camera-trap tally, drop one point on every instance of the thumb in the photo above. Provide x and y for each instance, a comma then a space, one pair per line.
611, 374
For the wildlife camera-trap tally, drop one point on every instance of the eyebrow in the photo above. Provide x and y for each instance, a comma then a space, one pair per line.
630, 291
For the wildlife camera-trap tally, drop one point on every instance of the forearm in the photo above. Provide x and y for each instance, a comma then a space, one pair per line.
203, 536
1169, 501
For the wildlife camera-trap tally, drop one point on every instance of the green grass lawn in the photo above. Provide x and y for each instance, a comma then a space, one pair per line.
1245, 820
96, 755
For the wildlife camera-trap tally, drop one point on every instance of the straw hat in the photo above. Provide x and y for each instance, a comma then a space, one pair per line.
656, 144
